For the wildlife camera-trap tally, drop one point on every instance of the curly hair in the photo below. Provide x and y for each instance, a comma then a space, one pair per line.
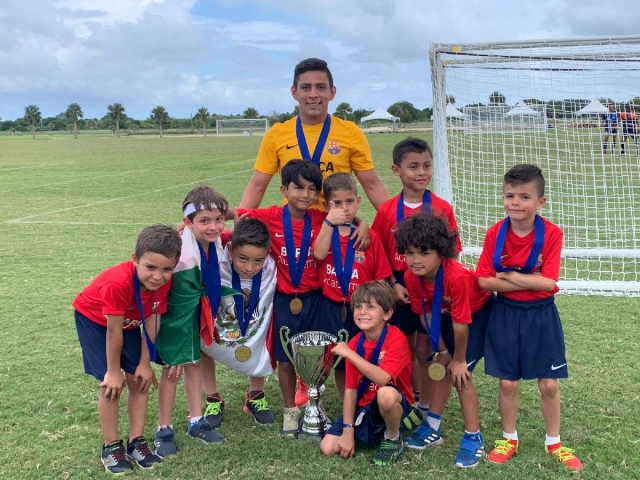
426, 231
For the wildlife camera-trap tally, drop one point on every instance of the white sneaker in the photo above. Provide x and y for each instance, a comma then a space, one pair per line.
291, 422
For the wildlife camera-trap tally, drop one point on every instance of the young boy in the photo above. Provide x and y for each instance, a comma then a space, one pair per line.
413, 164
343, 268
378, 395
244, 320
521, 261
190, 315
454, 314
108, 315
298, 299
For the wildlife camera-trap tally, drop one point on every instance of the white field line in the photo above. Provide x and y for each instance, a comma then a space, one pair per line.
117, 199
29, 187
35, 166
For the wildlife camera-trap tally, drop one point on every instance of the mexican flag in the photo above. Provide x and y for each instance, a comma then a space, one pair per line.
188, 316
250, 354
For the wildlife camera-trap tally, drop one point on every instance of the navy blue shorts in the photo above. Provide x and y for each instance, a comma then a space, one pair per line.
93, 340
525, 341
306, 321
630, 133
477, 333
403, 317
369, 424
332, 321
611, 131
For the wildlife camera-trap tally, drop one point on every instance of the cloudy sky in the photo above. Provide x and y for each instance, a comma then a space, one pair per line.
231, 54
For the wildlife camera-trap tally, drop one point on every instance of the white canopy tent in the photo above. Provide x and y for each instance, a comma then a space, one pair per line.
452, 112
594, 108
380, 114
521, 109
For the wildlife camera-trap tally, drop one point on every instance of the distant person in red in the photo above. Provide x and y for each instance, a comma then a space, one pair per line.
629, 120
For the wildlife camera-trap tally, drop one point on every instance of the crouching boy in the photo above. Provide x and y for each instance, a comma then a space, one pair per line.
378, 393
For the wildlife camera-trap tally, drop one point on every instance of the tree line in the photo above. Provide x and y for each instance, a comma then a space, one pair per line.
116, 119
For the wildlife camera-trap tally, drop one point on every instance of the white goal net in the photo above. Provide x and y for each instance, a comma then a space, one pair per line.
550, 103
242, 127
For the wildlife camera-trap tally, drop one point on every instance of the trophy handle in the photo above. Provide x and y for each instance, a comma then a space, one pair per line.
343, 336
284, 332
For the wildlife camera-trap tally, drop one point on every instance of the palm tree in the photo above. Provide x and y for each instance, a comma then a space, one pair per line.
116, 113
159, 115
202, 116
73, 113
32, 115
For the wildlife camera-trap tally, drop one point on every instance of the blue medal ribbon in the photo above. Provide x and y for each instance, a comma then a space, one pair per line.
211, 276
322, 140
343, 272
373, 360
296, 268
436, 310
245, 315
426, 205
150, 345
532, 260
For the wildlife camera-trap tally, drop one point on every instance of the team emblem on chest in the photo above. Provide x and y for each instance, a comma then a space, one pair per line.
333, 147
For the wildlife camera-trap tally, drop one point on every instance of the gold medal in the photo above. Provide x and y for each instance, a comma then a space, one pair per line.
243, 353
437, 371
295, 306
343, 313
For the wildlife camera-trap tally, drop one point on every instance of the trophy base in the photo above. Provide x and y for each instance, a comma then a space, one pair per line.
310, 437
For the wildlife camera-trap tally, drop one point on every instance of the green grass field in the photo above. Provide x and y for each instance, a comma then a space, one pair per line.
70, 209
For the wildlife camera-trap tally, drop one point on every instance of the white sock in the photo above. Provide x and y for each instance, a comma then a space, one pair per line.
510, 436
291, 409
160, 427
424, 409
467, 432
395, 439
434, 420
551, 440
194, 420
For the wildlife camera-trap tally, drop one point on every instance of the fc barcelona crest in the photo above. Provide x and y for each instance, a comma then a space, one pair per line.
333, 147
359, 256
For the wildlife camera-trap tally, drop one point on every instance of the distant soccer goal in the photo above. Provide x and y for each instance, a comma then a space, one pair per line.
546, 102
239, 127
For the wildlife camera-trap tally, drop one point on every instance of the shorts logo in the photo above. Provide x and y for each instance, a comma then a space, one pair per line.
359, 256
553, 367
333, 147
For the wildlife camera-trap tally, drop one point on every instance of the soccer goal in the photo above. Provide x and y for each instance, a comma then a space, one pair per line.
242, 127
545, 102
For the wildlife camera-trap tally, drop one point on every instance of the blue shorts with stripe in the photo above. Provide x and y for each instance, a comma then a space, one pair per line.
369, 425
331, 320
525, 340
477, 333
93, 340
403, 317
306, 321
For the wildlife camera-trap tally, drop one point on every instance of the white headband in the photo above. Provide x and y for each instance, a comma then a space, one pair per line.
192, 208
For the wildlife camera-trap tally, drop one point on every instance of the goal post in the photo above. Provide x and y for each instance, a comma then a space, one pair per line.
239, 127
546, 103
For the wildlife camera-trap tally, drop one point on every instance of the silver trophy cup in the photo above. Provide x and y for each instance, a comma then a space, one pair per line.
313, 360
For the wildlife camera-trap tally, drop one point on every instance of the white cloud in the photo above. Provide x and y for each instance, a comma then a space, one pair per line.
147, 52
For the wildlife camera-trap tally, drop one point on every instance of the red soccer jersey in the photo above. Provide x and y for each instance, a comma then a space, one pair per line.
369, 264
516, 252
461, 298
112, 293
272, 217
395, 359
385, 223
